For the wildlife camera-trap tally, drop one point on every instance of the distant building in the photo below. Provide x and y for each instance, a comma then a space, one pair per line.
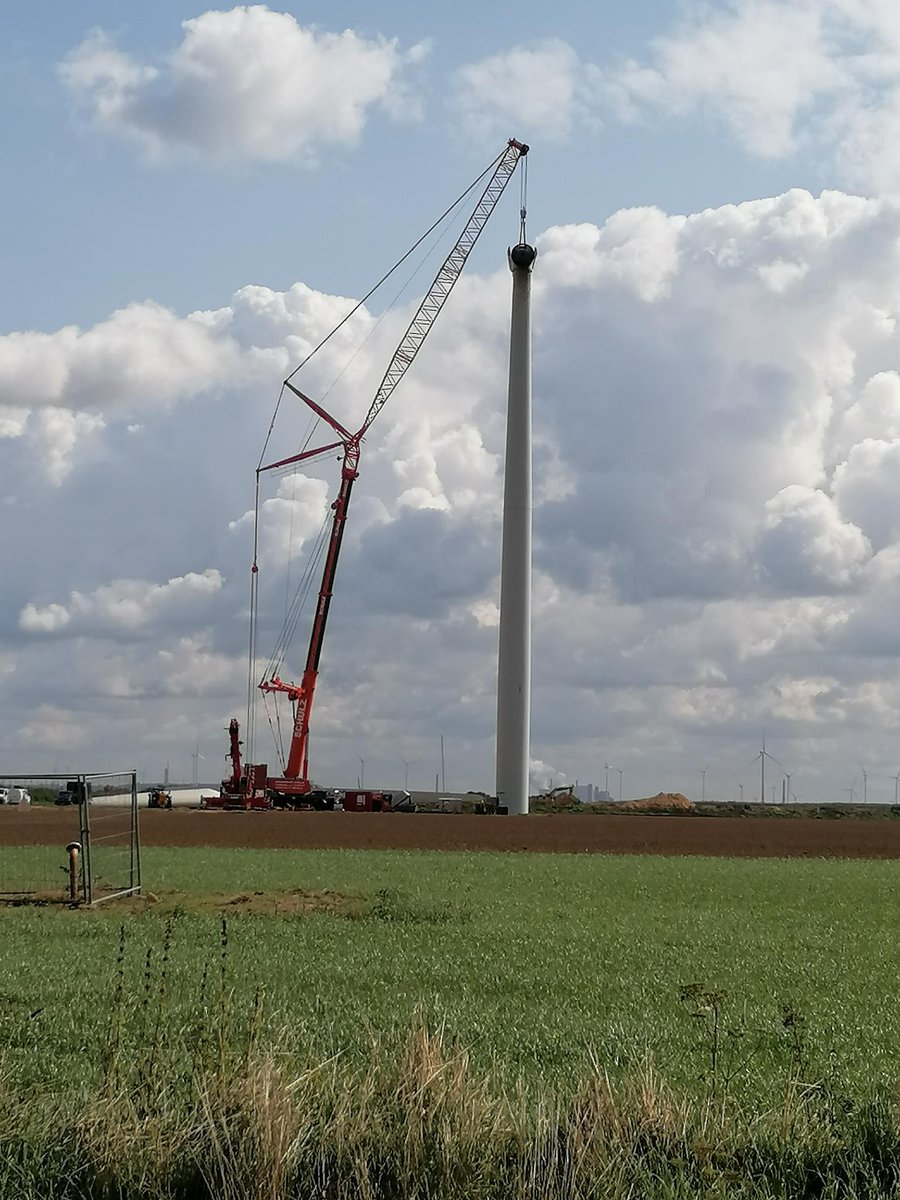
586, 793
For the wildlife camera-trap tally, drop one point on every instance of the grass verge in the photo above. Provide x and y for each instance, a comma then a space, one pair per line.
182, 1115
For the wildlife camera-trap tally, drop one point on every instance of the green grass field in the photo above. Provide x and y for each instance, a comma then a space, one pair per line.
531, 961
403, 1026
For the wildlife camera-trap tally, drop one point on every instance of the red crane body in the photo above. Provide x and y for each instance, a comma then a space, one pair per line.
239, 790
234, 753
295, 780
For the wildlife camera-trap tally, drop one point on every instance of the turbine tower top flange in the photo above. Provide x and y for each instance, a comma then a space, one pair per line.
522, 256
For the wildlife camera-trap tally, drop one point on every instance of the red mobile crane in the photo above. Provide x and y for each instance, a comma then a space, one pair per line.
255, 789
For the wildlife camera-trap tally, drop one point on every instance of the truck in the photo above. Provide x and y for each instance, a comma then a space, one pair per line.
363, 800
74, 793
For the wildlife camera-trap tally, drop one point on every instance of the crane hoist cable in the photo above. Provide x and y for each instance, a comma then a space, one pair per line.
276, 661
275, 730
290, 545
404, 287
523, 201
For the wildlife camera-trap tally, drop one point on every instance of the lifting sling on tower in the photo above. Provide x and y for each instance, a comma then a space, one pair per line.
248, 789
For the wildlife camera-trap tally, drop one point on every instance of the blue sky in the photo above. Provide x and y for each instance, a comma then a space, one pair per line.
193, 196
96, 228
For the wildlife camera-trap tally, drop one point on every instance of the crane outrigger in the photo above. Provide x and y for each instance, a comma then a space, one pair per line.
252, 787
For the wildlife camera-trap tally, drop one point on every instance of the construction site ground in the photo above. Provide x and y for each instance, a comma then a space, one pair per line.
741, 837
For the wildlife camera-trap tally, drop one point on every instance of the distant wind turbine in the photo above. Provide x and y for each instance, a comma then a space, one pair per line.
198, 758
407, 763
762, 756
787, 776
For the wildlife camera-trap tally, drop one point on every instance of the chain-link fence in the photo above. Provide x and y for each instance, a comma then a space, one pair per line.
69, 837
112, 855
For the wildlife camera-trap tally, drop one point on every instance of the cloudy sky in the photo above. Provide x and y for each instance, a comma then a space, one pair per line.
193, 197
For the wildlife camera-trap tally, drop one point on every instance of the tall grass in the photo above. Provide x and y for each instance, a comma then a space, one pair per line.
424, 1124
227, 1104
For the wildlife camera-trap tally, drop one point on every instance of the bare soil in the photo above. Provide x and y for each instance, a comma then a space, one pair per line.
279, 903
734, 837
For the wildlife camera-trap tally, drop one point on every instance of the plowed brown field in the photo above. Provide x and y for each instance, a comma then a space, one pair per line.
741, 837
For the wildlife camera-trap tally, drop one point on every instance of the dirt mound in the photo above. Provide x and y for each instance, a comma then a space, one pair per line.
280, 903
661, 802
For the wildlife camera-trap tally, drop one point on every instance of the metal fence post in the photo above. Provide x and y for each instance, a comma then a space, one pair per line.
135, 836
85, 822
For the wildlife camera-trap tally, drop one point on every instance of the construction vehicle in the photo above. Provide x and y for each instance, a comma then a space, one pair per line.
158, 797
247, 788
14, 795
242, 789
254, 788
562, 796
75, 792
318, 799
360, 800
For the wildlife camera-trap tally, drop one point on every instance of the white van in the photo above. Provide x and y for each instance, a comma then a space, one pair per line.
14, 795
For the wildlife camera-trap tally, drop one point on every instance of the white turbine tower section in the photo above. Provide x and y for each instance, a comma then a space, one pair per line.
514, 666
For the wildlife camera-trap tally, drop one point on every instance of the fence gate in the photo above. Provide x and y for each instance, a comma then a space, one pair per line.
43, 816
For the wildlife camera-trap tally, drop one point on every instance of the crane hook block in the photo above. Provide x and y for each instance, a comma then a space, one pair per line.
522, 256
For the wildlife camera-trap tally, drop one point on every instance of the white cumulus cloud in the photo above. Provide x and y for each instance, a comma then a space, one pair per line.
806, 545
781, 78
541, 91
821, 76
244, 83
121, 606
142, 354
289, 519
